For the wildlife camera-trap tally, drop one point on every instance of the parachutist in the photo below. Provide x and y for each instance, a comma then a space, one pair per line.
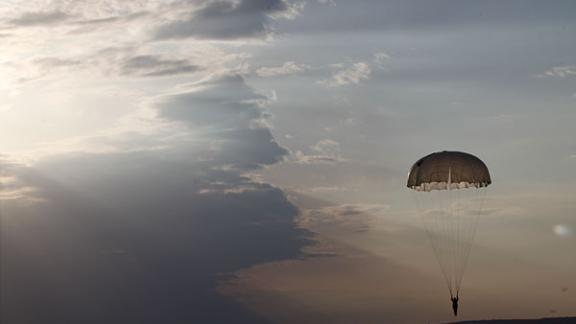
450, 215
454, 304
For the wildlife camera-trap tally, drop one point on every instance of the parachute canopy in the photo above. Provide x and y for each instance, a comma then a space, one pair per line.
449, 188
448, 170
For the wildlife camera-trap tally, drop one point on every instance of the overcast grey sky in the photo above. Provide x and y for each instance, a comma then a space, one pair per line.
244, 161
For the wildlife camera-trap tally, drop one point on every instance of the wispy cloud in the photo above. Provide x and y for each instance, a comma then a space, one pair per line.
381, 59
287, 68
153, 66
324, 151
352, 74
40, 18
560, 71
355, 217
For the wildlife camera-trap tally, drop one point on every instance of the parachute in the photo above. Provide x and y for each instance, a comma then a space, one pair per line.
450, 188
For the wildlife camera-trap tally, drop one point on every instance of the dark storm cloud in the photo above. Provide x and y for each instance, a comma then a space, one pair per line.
145, 236
220, 102
155, 66
225, 19
40, 19
231, 112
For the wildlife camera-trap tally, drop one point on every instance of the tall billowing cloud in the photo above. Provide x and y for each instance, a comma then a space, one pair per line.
145, 235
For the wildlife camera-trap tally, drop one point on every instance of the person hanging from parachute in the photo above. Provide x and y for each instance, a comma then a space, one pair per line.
454, 304
449, 187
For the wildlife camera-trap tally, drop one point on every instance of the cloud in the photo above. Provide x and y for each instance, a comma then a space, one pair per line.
287, 68
301, 158
352, 74
232, 113
227, 20
154, 66
79, 9
560, 71
328, 2
40, 18
327, 147
111, 61
136, 235
381, 59
13, 188
222, 101
325, 151
52, 62
328, 189
347, 210
353, 216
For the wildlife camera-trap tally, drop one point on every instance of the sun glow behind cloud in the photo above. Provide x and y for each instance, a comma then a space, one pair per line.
54, 92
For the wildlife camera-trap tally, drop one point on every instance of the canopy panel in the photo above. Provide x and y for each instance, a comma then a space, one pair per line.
448, 170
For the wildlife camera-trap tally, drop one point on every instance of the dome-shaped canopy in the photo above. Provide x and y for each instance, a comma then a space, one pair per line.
448, 170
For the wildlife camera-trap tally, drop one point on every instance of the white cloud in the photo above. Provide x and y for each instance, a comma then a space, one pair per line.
302, 158
381, 59
285, 69
325, 151
90, 9
352, 74
327, 147
328, 2
560, 71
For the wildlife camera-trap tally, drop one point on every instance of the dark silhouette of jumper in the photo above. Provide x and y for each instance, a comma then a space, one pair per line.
454, 304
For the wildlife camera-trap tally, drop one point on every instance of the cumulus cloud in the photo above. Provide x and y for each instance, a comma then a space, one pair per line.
226, 20
222, 100
233, 114
352, 74
285, 69
148, 233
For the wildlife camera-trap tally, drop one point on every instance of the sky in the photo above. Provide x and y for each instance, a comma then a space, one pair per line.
245, 161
